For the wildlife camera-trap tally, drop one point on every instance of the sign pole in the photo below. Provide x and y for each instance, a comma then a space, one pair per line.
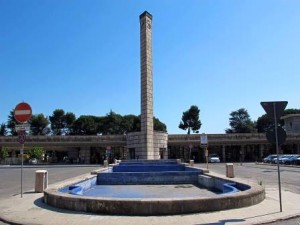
206, 155
274, 111
22, 149
22, 114
277, 152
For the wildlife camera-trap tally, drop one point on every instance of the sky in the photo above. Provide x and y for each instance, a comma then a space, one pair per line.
83, 56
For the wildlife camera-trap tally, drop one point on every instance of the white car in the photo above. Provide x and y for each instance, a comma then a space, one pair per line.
213, 158
33, 161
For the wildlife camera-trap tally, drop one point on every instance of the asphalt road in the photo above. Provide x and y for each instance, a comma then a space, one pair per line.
268, 175
265, 173
10, 177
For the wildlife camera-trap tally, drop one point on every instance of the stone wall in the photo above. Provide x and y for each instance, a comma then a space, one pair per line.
160, 145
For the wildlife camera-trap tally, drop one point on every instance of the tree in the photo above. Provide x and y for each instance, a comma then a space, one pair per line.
4, 153
112, 124
263, 122
190, 120
69, 120
57, 121
130, 123
85, 125
240, 122
36, 152
158, 125
3, 131
11, 123
38, 124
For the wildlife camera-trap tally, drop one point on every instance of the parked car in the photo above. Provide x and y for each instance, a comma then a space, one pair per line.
269, 158
291, 160
297, 161
274, 161
33, 161
213, 158
283, 159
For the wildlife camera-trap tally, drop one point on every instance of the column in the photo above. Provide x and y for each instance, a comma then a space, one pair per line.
261, 151
85, 154
146, 86
224, 153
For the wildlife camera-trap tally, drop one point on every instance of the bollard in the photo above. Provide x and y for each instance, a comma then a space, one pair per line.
41, 180
229, 170
191, 162
105, 163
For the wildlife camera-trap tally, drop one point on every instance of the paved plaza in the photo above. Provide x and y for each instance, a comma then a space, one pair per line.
31, 210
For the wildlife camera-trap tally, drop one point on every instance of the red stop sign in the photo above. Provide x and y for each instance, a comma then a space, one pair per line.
22, 112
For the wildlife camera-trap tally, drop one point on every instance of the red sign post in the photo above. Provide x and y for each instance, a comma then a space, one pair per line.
22, 112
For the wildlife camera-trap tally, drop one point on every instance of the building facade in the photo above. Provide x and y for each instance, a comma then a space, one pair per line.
95, 149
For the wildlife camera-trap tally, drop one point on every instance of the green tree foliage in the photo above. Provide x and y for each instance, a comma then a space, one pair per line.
11, 123
4, 153
112, 124
263, 122
85, 125
38, 124
61, 122
190, 120
159, 126
3, 131
57, 121
240, 122
130, 123
69, 120
36, 152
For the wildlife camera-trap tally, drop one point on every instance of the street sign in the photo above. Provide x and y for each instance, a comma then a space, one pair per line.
203, 140
274, 109
22, 112
22, 136
281, 136
276, 135
23, 126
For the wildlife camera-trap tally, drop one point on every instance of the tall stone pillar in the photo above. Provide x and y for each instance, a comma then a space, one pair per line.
147, 150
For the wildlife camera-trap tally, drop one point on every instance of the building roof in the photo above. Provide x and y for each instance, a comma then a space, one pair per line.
290, 116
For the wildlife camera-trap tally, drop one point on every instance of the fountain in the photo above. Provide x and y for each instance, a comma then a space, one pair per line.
150, 186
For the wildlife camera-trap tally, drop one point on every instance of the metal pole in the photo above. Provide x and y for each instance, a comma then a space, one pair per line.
22, 150
206, 155
277, 152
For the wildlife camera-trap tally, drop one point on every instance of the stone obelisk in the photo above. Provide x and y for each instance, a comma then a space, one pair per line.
146, 86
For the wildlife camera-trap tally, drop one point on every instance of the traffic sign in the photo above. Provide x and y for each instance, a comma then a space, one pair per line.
22, 136
274, 109
203, 140
23, 126
281, 136
22, 112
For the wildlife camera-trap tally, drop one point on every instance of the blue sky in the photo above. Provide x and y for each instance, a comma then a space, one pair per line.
83, 56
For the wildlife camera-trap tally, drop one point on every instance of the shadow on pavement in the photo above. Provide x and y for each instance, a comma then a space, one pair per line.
267, 214
223, 222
